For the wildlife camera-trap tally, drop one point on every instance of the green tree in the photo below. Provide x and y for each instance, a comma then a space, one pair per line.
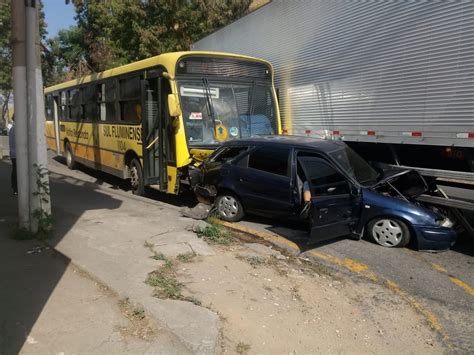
120, 31
64, 56
5, 58
6, 89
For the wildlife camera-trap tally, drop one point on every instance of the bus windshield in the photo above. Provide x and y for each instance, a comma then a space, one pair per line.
216, 111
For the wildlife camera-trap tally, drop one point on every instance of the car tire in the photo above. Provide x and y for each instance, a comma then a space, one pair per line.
70, 160
136, 177
389, 232
229, 207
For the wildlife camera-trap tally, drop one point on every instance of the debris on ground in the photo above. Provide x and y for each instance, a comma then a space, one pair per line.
200, 211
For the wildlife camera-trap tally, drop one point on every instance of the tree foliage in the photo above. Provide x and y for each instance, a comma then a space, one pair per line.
5, 58
6, 52
115, 32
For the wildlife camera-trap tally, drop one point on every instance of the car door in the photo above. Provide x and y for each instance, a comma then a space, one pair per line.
335, 208
263, 181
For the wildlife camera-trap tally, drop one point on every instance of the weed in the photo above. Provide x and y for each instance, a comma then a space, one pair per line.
124, 302
316, 268
130, 310
242, 348
162, 257
255, 260
193, 299
165, 284
215, 234
41, 214
186, 257
148, 245
138, 312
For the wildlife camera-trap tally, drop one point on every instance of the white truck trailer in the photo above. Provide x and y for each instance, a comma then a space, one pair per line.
394, 79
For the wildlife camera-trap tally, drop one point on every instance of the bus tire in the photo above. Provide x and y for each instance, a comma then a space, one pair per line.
70, 160
136, 177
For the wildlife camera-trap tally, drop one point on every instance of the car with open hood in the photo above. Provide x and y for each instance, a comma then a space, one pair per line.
325, 183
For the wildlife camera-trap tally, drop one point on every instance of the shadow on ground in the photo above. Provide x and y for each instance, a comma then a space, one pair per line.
185, 199
29, 272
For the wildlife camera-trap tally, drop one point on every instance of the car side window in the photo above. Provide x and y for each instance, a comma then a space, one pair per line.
227, 154
270, 159
324, 180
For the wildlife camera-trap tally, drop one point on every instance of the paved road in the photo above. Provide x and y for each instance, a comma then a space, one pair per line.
441, 286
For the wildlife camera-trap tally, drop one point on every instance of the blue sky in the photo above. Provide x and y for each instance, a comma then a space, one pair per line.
58, 15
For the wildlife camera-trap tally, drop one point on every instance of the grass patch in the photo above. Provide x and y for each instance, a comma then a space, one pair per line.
138, 312
242, 348
254, 260
168, 264
186, 257
132, 311
165, 284
215, 234
317, 268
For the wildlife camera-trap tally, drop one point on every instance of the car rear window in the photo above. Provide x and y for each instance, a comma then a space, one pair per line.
270, 159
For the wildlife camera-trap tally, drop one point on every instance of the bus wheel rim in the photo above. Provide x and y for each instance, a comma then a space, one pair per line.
134, 177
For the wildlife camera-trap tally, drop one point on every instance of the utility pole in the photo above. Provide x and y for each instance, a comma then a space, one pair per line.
21, 123
33, 181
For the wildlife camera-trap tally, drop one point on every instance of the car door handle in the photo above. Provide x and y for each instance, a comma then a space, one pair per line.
331, 189
243, 180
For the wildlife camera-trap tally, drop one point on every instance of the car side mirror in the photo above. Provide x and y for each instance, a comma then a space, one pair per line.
173, 105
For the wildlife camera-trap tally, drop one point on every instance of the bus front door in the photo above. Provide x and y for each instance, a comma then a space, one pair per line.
154, 137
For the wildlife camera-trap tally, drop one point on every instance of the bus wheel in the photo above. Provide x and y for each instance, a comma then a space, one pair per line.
70, 161
136, 174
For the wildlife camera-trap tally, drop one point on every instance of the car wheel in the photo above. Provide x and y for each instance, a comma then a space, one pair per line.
389, 232
70, 160
229, 207
136, 177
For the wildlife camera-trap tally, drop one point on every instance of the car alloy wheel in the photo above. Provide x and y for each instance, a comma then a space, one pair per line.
229, 208
389, 232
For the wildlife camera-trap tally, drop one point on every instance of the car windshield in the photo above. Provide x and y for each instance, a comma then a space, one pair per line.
355, 165
217, 111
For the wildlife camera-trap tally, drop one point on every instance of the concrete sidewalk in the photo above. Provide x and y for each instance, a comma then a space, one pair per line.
104, 232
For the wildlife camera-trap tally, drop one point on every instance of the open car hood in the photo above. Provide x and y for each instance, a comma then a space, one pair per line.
407, 182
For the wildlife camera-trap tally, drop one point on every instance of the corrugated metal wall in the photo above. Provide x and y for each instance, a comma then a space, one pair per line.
398, 71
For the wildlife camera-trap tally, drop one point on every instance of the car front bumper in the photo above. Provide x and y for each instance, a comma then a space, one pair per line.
435, 238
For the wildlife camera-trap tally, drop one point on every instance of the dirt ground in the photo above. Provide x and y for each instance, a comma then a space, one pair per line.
272, 304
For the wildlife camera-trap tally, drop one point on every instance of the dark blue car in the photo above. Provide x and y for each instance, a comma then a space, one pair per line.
326, 183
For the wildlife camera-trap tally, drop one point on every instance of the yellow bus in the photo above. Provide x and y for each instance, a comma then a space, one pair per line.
155, 120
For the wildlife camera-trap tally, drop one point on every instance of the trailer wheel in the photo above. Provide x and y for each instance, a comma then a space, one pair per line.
229, 207
389, 232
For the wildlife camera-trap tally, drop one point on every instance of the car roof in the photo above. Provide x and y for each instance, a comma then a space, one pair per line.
319, 144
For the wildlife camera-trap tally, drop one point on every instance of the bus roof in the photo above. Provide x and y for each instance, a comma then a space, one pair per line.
168, 60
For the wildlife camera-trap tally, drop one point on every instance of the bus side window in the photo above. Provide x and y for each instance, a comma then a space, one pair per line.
90, 107
49, 107
75, 105
107, 100
130, 102
62, 106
